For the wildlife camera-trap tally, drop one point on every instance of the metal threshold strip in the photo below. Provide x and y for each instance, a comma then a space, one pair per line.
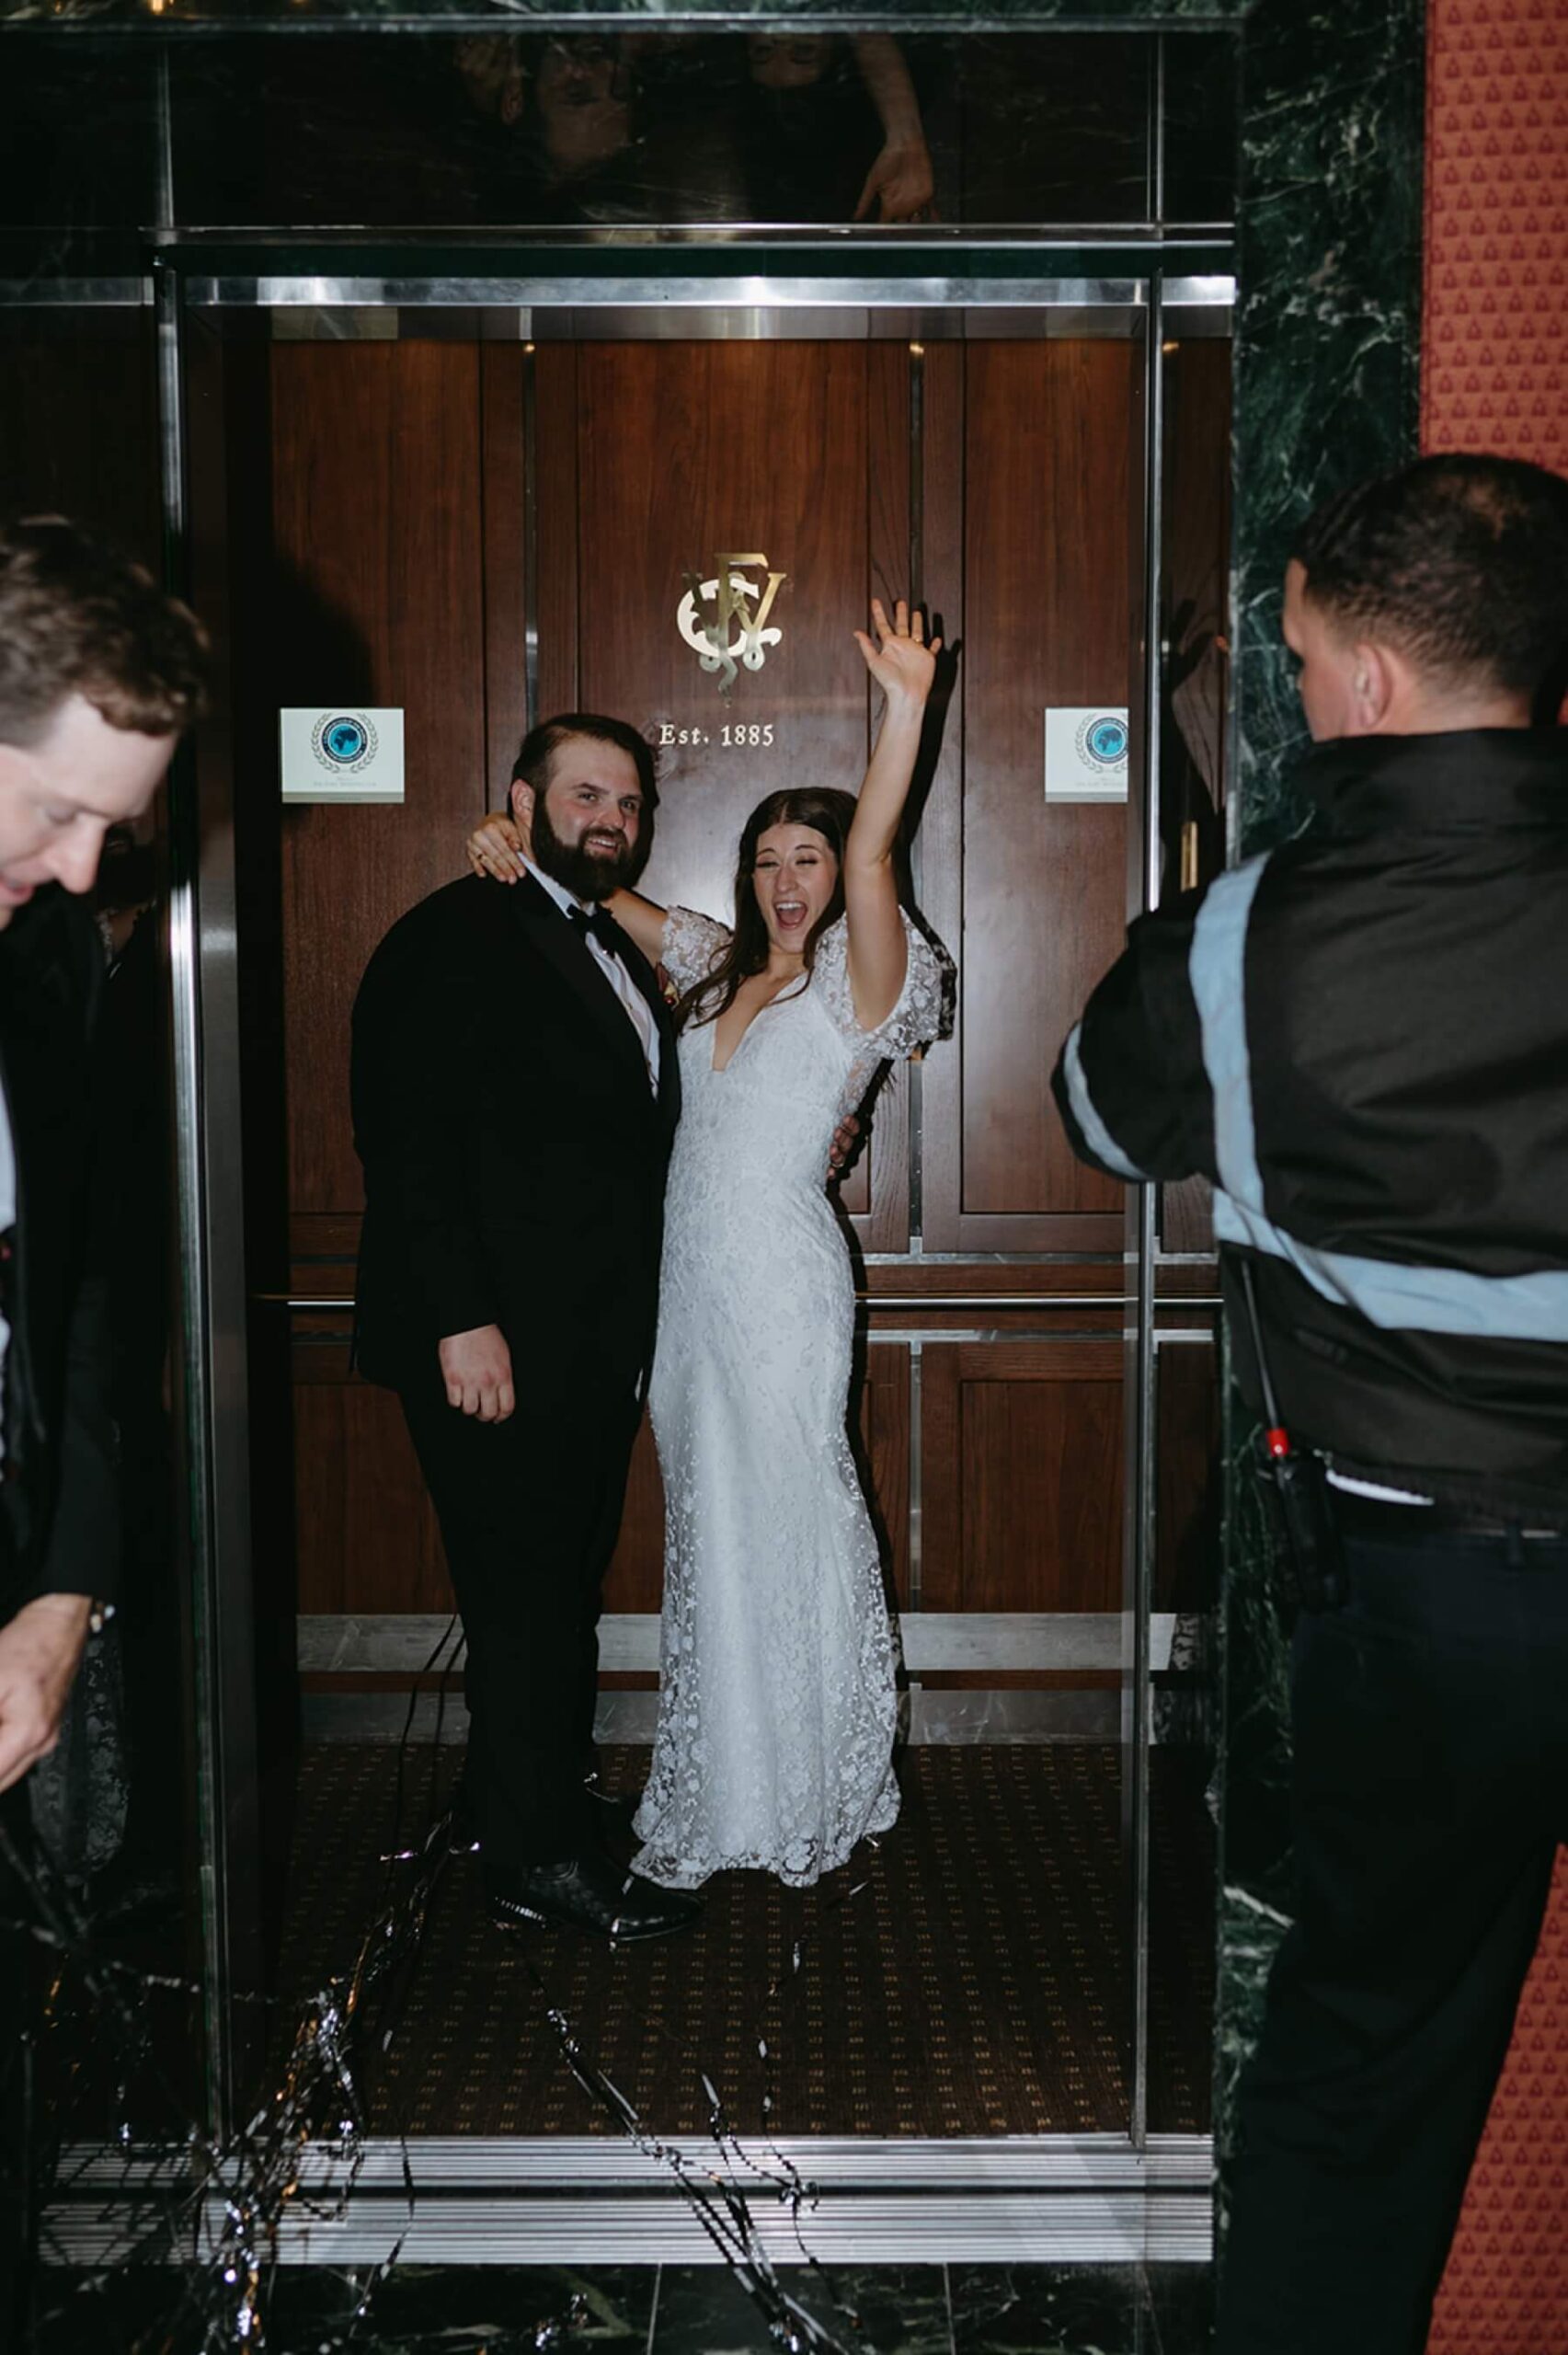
579, 2200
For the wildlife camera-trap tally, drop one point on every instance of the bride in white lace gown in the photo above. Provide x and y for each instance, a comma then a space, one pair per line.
777, 1702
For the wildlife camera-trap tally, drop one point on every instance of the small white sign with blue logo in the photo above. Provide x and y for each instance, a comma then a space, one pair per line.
1086, 748
341, 753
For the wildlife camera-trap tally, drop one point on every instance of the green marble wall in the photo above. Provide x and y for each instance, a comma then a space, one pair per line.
1326, 389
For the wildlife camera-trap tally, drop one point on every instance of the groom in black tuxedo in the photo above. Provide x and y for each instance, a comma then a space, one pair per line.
515, 1098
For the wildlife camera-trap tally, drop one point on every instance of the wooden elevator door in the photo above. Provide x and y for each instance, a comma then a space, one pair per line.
994, 1442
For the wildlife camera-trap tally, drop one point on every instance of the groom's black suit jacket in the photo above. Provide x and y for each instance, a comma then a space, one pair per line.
60, 1497
514, 1152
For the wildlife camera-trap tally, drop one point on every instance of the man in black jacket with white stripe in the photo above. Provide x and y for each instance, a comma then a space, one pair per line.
1361, 1039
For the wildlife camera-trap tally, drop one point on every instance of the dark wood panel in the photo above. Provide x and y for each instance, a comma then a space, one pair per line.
636, 1579
1022, 1473
556, 506
1046, 600
885, 1432
78, 428
942, 816
879, 1194
378, 597
1186, 1522
502, 521
365, 1530
687, 450
681, 452
652, 460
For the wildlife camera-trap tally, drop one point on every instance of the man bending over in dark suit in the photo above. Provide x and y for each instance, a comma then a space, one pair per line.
515, 1098
98, 673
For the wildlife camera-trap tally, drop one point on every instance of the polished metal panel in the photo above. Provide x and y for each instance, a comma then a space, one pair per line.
367, 1643
76, 294
1138, 1423
770, 306
531, 713
211, 1366
942, 1717
740, 294
916, 1524
595, 2199
163, 197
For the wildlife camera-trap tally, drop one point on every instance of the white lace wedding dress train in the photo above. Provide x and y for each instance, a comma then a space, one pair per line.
777, 1701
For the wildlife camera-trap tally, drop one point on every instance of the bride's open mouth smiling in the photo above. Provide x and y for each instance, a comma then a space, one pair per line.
790, 915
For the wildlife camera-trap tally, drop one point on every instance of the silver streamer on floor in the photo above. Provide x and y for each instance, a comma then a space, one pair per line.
207, 2219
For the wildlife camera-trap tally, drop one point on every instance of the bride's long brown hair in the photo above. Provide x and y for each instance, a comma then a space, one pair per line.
828, 813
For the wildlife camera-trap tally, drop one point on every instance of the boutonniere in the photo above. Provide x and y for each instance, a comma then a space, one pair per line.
667, 988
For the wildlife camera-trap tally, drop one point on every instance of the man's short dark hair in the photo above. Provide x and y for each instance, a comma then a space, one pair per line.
1461, 562
541, 744
78, 618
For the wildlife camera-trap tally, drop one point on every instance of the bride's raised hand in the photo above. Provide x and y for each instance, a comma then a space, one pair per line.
497, 849
899, 658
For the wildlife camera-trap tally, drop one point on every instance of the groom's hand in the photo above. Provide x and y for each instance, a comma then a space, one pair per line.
841, 1152
476, 1367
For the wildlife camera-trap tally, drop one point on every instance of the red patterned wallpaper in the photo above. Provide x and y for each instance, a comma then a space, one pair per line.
1494, 376
1494, 318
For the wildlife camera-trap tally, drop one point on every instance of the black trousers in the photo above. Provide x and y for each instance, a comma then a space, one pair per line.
1430, 1789
529, 1510
17, 2219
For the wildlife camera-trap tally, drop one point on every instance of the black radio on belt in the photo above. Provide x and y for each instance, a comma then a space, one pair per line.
1296, 1487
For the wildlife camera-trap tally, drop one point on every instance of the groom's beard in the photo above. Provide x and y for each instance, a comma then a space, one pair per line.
588, 875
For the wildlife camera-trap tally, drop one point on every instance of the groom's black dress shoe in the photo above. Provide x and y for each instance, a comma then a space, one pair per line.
589, 1893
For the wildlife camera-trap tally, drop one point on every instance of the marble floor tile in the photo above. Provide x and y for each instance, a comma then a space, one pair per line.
486, 2310
1050, 2310
415, 2310
869, 2310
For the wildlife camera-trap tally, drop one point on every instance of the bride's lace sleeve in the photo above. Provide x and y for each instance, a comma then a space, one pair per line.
692, 946
917, 1018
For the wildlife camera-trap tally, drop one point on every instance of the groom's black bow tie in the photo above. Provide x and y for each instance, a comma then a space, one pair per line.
601, 923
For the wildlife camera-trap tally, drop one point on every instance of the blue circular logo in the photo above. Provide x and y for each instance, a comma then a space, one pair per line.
344, 740
1106, 741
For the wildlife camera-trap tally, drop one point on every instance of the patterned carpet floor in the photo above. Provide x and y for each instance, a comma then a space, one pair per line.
967, 1976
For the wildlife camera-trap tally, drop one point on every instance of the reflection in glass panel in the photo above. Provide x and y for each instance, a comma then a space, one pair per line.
658, 128
111, 1819
644, 128
1000, 1456
1200, 127
78, 144
1195, 667
1183, 1759
1049, 127
972, 1978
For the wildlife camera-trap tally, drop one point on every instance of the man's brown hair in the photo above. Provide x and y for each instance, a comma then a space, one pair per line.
78, 618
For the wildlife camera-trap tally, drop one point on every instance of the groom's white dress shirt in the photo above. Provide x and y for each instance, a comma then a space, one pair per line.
638, 1011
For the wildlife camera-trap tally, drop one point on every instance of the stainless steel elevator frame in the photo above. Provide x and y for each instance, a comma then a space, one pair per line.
1101, 2197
